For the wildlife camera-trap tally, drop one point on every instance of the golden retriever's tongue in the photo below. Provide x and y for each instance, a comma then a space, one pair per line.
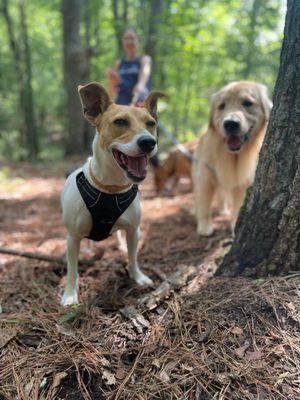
234, 143
137, 166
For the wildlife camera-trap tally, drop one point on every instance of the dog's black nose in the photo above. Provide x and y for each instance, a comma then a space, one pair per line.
146, 144
231, 126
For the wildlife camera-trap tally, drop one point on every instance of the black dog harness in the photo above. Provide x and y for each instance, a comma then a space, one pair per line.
105, 208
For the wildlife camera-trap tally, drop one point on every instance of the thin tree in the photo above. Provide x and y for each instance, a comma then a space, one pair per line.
22, 61
120, 14
267, 237
76, 71
155, 19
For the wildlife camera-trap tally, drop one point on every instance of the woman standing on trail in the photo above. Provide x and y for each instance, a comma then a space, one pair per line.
130, 79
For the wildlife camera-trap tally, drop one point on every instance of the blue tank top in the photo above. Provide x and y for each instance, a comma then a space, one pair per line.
129, 73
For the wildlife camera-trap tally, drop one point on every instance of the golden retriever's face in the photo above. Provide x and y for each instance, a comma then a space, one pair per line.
238, 112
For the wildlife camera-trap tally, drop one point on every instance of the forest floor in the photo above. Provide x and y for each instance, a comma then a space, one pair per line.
190, 336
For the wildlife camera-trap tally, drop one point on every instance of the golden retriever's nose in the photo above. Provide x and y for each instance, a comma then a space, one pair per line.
231, 126
146, 144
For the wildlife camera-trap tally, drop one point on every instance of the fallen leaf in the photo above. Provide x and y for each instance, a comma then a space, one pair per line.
108, 377
237, 330
6, 337
103, 361
253, 355
140, 323
223, 377
57, 379
120, 373
156, 363
28, 387
164, 374
66, 329
240, 351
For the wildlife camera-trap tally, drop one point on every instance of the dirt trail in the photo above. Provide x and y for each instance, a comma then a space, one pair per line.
198, 339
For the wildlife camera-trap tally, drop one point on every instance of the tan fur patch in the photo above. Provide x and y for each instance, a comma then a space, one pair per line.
216, 168
110, 132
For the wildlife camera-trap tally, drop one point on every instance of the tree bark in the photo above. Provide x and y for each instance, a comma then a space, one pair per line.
76, 71
155, 17
267, 238
31, 129
251, 37
120, 20
24, 77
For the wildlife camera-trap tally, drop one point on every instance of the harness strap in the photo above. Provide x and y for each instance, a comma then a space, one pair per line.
178, 145
105, 208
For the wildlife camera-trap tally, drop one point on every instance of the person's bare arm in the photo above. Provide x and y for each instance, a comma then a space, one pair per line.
113, 78
144, 75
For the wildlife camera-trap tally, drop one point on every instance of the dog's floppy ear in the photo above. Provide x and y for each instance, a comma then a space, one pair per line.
211, 123
94, 99
265, 101
151, 102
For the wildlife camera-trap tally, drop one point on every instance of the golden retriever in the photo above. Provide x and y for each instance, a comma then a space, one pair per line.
227, 154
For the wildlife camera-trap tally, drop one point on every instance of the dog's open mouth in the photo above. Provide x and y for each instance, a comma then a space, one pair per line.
234, 143
136, 167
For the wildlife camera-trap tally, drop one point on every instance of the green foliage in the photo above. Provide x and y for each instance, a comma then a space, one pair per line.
200, 46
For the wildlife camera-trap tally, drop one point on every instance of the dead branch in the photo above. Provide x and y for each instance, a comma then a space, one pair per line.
42, 257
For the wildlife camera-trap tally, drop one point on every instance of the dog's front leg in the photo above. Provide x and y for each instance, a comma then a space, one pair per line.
203, 199
132, 237
70, 295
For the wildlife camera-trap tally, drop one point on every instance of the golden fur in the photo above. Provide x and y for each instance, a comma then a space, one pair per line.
226, 162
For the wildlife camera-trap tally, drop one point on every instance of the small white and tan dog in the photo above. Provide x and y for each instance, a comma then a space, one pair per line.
101, 197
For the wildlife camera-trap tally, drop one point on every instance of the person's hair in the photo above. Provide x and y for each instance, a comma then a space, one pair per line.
130, 28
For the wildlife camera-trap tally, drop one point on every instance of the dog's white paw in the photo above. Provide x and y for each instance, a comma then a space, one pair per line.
69, 298
225, 211
140, 278
205, 228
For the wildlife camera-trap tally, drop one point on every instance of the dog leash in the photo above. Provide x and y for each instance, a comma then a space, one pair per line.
178, 145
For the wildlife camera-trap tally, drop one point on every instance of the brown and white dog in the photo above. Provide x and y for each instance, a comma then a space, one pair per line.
177, 164
125, 139
227, 153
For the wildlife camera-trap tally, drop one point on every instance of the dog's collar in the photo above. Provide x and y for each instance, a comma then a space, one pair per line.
107, 188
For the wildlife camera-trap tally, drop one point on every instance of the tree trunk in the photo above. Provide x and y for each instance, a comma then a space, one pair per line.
251, 37
31, 130
23, 73
76, 67
155, 16
120, 20
88, 129
267, 238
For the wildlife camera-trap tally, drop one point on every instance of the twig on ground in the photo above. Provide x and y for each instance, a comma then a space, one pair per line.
42, 257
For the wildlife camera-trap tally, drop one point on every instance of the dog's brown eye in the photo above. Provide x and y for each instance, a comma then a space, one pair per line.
121, 122
221, 106
247, 103
150, 124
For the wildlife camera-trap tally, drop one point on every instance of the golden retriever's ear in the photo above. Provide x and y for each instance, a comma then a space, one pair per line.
265, 101
151, 102
94, 99
211, 124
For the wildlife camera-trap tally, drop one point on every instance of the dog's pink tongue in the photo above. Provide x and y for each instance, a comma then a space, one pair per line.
234, 142
137, 166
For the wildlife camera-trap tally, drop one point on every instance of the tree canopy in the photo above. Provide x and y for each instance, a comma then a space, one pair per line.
197, 46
